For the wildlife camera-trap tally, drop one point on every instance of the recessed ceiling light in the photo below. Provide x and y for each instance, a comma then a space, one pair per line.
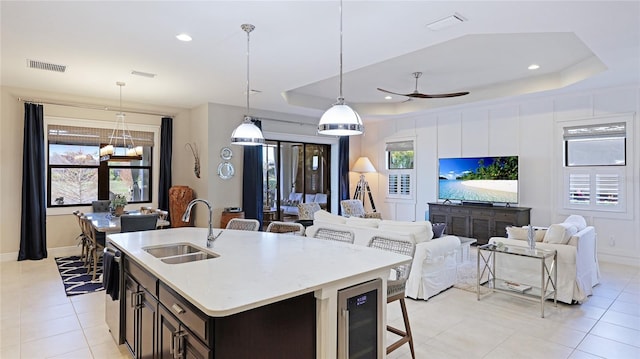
533, 67
388, 97
183, 37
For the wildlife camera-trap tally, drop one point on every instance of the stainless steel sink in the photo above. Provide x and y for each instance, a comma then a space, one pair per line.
171, 250
179, 253
186, 258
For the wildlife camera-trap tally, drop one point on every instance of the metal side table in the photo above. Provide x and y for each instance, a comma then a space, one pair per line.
487, 255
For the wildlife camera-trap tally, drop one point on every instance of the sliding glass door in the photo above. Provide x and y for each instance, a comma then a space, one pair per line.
293, 173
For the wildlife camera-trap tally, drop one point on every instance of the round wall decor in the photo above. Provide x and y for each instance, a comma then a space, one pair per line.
226, 153
226, 170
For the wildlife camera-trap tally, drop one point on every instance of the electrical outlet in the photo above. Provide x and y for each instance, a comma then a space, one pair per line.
612, 241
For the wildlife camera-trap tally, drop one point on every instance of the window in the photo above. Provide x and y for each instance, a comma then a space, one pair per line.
77, 177
594, 164
595, 145
399, 155
400, 160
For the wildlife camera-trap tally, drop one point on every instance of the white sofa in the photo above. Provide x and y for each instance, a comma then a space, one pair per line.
434, 263
577, 266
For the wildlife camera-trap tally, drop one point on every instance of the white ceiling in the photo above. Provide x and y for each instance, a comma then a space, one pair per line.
295, 50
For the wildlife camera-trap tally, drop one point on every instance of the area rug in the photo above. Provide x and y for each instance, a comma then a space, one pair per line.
75, 278
467, 274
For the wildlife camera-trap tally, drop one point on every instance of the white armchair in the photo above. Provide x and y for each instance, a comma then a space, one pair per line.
577, 266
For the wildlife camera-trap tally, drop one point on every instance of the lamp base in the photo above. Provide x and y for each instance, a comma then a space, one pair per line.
361, 188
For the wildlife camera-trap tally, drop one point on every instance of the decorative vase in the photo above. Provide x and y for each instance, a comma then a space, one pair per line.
179, 198
119, 211
531, 237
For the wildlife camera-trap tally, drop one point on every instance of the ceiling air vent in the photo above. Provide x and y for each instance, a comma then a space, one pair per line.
45, 66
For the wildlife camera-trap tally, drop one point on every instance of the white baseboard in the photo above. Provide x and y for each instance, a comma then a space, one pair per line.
51, 253
609, 258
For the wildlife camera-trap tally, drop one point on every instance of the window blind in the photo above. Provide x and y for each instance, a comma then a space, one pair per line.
595, 131
75, 135
399, 146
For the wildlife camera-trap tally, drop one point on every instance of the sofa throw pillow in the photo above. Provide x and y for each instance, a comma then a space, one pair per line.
522, 233
560, 233
421, 230
324, 216
519, 233
577, 221
363, 222
438, 229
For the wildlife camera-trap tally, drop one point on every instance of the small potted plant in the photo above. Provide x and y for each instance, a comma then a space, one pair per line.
118, 202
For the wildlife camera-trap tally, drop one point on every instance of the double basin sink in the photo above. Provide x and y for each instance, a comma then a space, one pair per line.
176, 253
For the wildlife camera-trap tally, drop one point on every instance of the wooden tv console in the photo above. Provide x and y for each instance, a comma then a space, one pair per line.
479, 222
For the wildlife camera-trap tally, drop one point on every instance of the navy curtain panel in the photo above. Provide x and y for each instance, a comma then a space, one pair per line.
252, 180
166, 140
33, 234
343, 170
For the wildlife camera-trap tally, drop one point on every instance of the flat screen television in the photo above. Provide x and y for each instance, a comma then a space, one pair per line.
479, 179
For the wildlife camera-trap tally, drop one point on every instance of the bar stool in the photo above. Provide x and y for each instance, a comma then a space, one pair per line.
396, 287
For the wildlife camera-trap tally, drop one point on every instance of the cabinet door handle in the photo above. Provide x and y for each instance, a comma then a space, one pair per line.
178, 309
345, 318
179, 352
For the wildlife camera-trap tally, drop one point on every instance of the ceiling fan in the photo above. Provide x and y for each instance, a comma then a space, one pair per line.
416, 94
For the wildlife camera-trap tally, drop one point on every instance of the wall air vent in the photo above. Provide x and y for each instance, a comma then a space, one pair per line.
143, 74
46, 66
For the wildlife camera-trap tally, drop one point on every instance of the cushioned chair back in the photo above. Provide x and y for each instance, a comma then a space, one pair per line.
101, 205
135, 223
352, 208
306, 211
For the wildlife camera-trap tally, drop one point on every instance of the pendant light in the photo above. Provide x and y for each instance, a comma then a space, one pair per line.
340, 119
120, 131
247, 134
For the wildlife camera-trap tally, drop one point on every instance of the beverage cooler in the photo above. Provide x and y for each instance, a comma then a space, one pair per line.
360, 322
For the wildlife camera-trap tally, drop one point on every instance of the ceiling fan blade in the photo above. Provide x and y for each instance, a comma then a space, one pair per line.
393, 93
442, 95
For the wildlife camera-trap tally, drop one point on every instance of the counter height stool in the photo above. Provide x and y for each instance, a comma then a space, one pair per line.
335, 235
396, 287
243, 224
286, 227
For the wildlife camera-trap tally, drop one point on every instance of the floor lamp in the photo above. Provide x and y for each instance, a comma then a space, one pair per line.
362, 166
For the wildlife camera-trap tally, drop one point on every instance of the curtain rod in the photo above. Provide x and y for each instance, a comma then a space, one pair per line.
91, 107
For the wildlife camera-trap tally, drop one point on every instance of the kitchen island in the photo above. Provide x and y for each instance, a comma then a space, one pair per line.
264, 280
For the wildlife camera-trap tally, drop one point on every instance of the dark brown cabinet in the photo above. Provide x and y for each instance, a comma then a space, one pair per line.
140, 312
478, 222
159, 323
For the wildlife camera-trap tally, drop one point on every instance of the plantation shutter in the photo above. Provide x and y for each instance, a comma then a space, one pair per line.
607, 189
580, 188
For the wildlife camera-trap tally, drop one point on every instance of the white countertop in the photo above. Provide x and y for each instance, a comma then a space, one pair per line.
254, 268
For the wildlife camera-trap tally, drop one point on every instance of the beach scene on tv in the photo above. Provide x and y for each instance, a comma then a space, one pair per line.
481, 179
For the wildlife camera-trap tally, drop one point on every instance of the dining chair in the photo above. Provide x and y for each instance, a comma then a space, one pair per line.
81, 238
135, 223
396, 286
286, 227
96, 245
162, 215
101, 205
243, 224
335, 235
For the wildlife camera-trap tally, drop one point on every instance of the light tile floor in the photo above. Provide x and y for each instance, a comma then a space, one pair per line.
37, 320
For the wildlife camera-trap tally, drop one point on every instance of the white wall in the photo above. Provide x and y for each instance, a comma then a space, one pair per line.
523, 126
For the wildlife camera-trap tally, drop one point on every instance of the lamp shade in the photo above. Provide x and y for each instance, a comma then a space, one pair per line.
340, 120
247, 134
363, 165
